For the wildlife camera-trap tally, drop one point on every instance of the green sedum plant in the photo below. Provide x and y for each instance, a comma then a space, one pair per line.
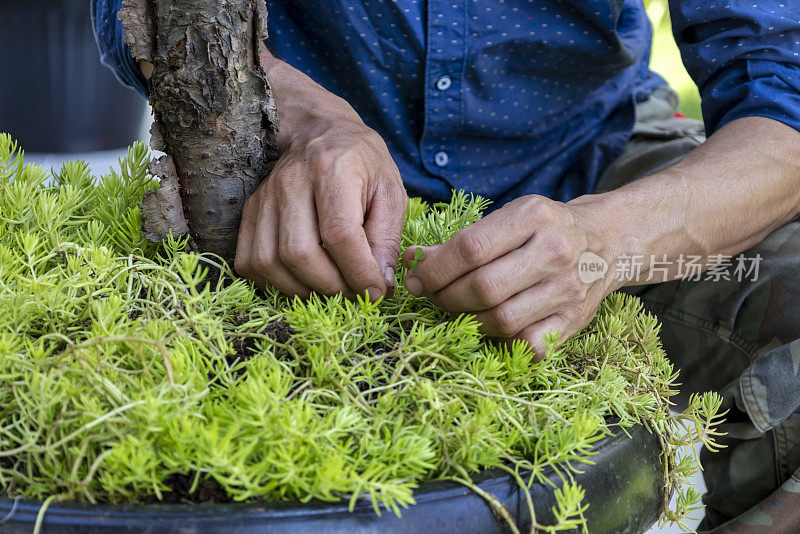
138, 372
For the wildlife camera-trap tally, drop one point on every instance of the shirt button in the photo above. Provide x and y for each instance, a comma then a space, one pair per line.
441, 159
444, 83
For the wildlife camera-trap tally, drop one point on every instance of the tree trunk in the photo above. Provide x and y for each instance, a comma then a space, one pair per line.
214, 114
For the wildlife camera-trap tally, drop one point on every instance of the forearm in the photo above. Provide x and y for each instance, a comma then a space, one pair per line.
723, 198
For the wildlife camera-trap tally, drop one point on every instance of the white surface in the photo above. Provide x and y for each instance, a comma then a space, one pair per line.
100, 162
700, 486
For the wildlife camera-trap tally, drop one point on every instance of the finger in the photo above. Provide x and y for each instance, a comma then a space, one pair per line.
476, 245
341, 225
265, 262
534, 334
525, 308
384, 226
494, 283
244, 240
300, 247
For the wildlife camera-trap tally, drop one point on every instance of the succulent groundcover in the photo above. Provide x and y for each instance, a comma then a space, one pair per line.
135, 372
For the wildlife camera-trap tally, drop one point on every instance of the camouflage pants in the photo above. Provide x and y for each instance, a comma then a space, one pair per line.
740, 338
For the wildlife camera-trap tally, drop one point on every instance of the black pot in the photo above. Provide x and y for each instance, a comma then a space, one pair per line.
55, 95
624, 489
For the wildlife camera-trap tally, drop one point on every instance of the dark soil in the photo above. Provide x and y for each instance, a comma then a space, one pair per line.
208, 491
244, 346
387, 345
280, 331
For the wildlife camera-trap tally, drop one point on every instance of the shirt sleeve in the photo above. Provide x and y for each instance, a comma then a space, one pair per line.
114, 53
744, 56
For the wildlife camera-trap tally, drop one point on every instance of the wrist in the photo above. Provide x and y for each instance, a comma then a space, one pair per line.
609, 235
645, 228
306, 109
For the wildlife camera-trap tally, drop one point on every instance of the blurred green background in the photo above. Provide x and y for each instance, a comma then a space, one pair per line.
667, 61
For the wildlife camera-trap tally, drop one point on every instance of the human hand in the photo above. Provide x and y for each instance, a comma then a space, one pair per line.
517, 270
329, 216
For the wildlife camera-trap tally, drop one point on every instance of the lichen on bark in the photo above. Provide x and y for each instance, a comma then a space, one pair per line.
214, 114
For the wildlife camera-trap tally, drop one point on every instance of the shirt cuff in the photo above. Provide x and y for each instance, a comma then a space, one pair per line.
114, 53
753, 88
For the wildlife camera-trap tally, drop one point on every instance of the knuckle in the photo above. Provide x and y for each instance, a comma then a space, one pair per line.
323, 156
295, 253
261, 263
540, 210
392, 243
337, 230
535, 206
507, 321
559, 249
473, 247
486, 289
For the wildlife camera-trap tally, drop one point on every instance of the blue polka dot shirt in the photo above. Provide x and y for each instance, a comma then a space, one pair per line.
513, 97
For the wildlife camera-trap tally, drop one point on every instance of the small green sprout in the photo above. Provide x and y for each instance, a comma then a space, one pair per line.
419, 255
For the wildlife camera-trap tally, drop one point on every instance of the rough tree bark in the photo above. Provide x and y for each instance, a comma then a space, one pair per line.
214, 114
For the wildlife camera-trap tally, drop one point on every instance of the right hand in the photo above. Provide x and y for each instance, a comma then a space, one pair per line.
329, 216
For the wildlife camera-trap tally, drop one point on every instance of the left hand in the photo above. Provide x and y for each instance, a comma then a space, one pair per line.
516, 270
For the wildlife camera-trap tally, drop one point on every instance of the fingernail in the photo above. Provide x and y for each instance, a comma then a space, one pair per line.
414, 286
374, 293
388, 275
